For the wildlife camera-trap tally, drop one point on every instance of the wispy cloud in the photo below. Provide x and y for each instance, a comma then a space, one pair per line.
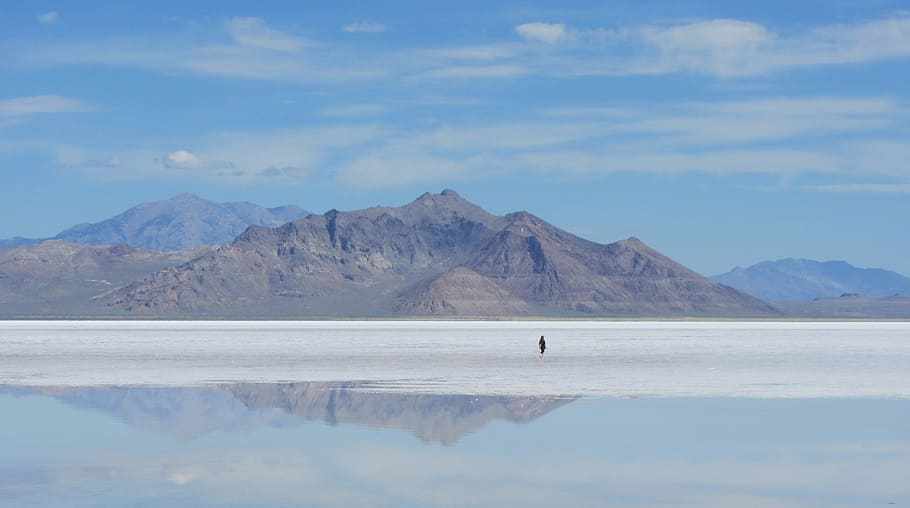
254, 32
725, 48
289, 154
729, 48
364, 27
788, 135
49, 18
255, 59
549, 33
474, 71
473, 53
769, 136
23, 106
875, 188
255, 51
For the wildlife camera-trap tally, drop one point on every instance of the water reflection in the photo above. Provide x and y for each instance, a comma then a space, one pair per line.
258, 446
195, 411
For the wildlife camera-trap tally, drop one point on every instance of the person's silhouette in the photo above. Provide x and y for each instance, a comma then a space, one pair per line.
543, 345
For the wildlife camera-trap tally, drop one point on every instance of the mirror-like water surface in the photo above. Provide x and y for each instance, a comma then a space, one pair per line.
329, 445
454, 414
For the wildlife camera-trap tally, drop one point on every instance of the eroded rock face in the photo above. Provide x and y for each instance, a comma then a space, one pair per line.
460, 292
439, 255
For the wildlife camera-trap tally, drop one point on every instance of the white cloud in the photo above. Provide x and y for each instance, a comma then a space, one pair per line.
22, 106
849, 43
49, 18
291, 154
783, 135
549, 33
225, 60
736, 48
769, 136
727, 48
254, 32
364, 27
723, 47
182, 159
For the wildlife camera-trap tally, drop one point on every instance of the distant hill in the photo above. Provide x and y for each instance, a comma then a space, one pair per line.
183, 222
437, 256
805, 279
57, 278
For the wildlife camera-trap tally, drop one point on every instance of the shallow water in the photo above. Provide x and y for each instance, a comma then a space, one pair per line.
259, 415
323, 445
692, 359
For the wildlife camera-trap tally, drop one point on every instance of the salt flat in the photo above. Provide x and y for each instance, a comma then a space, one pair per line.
662, 359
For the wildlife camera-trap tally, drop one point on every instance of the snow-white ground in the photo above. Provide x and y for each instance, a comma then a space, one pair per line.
729, 359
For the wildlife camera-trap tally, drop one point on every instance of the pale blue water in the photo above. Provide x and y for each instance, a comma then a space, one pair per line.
196, 447
454, 414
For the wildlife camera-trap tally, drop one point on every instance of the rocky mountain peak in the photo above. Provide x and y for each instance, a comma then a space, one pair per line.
446, 197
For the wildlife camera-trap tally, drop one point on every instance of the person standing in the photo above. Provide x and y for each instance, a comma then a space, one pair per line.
542, 344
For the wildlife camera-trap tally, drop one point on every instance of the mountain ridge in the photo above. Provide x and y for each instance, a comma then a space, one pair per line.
184, 221
58, 278
796, 279
437, 255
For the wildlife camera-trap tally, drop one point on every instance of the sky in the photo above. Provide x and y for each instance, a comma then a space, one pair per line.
720, 133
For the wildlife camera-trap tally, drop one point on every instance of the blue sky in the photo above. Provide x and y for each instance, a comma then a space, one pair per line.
720, 133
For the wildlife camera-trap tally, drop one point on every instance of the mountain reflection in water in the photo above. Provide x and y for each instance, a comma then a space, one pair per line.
249, 446
188, 412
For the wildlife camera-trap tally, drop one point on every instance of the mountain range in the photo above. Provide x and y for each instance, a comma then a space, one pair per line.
185, 221
805, 279
439, 255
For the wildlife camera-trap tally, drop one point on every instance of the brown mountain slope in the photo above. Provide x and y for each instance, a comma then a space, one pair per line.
460, 292
439, 255
552, 268
62, 278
